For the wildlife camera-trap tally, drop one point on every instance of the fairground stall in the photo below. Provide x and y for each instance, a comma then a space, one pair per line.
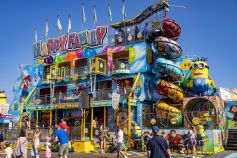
130, 74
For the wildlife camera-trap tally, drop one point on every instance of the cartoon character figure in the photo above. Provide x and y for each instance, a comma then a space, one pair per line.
200, 132
26, 80
233, 110
200, 81
206, 120
185, 65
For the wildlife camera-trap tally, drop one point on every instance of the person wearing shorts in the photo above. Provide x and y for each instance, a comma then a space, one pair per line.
61, 136
120, 143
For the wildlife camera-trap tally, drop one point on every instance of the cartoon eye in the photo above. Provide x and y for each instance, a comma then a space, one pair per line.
201, 65
195, 66
184, 64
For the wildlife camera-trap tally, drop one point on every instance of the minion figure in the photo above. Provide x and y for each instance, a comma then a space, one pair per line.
200, 82
206, 119
200, 132
136, 130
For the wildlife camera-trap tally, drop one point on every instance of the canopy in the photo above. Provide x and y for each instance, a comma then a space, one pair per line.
149, 11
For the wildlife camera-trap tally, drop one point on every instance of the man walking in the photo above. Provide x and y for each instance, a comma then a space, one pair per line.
120, 143
157, 146
61, 136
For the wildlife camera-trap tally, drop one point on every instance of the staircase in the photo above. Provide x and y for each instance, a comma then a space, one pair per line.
231, 140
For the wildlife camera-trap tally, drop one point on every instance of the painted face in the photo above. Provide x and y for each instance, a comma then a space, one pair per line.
234, 109
199, 69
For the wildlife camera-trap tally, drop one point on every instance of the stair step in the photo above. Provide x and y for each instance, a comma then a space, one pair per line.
231, 148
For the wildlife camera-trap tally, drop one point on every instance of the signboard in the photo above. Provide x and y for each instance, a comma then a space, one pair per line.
57, 106
115, 95
4, 108
101, 103
115, 100
72, 41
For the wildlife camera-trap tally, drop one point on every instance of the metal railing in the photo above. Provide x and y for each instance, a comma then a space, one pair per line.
103, 94
58, 98
136, 34
123, 38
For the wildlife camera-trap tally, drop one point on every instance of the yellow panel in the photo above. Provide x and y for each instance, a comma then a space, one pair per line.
83, 146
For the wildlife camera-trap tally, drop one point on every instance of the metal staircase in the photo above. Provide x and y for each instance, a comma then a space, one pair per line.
231, 139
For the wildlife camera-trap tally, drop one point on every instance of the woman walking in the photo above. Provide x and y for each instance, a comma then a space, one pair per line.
21, 146
36, 144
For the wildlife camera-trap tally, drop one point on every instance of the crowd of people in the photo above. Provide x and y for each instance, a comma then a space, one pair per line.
58, 136
157, 143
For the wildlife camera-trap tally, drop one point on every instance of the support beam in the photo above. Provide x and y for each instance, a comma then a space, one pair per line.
92, 116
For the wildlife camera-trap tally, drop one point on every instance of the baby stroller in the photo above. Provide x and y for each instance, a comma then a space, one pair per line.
112, 148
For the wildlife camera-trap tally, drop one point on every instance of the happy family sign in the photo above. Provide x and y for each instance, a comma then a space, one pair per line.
71, 41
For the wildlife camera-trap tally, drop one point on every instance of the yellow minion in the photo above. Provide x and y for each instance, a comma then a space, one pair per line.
200, 81
200, 132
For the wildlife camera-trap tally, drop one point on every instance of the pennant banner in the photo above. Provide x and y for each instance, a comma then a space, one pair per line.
83, 13
110, 13
69, 24
59, 25
123, 10
46, 29
36, 35
95, 16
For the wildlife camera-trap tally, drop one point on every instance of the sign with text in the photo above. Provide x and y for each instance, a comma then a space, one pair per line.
115, 95
72, 41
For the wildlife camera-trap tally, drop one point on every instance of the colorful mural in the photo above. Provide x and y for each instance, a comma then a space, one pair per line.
231, 114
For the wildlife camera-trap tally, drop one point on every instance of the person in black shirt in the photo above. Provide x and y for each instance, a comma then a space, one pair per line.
1, 140
157, 146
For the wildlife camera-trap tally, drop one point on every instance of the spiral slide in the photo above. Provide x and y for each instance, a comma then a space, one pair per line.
169, 51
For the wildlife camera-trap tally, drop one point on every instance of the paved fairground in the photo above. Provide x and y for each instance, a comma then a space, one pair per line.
134, 154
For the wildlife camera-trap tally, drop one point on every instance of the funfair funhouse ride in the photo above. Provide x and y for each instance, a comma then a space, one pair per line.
130, 74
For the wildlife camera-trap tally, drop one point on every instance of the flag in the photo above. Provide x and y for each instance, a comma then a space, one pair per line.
69, 24
94, 17
59, 25
83, 13
110, 13
123, 10
36, 36
46, 29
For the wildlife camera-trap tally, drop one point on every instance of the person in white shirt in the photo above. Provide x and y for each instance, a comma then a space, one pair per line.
47, 146
120, 143
8, 150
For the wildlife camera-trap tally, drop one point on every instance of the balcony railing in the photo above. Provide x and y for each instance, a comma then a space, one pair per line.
135, 34
123, 38
58, 99
103, 94
80, 72
121, 66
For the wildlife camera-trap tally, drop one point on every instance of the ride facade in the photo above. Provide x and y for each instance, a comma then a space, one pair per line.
130, 74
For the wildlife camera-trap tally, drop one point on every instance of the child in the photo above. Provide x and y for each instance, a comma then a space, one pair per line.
8, 150
47, 146
63, 125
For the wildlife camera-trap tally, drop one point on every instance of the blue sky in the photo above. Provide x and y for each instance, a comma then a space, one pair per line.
209, 29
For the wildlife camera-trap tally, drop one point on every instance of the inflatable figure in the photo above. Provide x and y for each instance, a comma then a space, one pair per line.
169, 90
200, 132
167, 48
200, 81
171, 29
206, 120
168, 69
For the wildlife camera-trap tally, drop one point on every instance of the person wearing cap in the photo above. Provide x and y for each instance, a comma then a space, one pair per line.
61, 136
157, 147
